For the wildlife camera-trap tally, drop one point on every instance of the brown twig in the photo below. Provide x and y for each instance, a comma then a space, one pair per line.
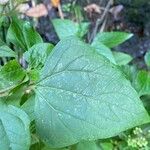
100, 20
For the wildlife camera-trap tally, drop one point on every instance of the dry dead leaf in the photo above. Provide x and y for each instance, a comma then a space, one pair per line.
55, 3
93, 8
116, 11
37, 11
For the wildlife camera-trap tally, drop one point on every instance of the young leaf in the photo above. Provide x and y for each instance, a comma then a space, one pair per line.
31, 37
82, 96
65, 28
147, 58
5, 51
15, 34
111, 39
82, 29
122, 58
87, 146
105, 51
142, 83
14, 128
11, 75
37, 54
21, 34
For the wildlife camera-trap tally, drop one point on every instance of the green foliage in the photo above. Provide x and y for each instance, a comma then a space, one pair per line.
14, 128
122, 58
22, 34
79, 89
11, 75
142, 83
5, 51
111, 39
147, 58
37, 55
69, 97
65, 28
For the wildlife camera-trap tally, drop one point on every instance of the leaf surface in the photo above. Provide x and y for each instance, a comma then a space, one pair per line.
82, 96
37, 55
111, 39
14, 128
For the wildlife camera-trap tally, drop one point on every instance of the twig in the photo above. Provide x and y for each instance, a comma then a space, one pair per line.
60, 12
100, 20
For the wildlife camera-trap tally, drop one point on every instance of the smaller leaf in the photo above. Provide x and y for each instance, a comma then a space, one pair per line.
106, 146
122, 58
147, 58
65, 28
5, 51
30, 35
11, 75
105, 51
87, 146
28, 107
15, 34
82, 29
37, 54
111, 39
14, 128
142, 83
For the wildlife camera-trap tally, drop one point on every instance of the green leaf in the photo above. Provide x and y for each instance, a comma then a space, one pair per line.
15, 34
105, 51
142, 83
111, 39
65, 28
21, 34
14, 128
122, 58
37, 55
82, 29
82, 96
147, 58
28, 107
5, 51
30, 35
87, 146
11, 75
106, 146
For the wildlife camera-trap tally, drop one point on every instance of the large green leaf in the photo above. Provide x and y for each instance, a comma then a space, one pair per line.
82, 96
11, 75
65, 28
37, 55
5, 51
111, 39
14, 128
